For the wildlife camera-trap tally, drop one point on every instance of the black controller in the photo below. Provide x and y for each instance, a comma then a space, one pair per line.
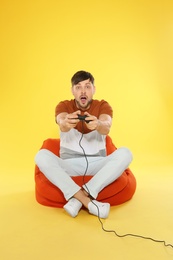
83, 118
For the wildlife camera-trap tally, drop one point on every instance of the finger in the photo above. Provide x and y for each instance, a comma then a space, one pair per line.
78, 112
87, 114
72, 116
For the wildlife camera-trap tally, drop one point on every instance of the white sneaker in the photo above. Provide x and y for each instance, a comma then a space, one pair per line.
72, 207
99, 209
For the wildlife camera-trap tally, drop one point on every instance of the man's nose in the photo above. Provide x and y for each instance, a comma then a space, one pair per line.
83, 90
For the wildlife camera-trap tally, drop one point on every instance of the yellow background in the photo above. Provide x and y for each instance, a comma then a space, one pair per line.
128, 46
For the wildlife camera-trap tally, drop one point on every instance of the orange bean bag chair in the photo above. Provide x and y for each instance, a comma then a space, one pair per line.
118, 192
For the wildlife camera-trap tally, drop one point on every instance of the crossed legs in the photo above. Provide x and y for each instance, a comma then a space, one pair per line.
104, 170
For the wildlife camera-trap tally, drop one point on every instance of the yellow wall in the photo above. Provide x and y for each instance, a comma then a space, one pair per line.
127, 45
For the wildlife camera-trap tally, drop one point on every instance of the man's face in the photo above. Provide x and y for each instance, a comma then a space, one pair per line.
83, 93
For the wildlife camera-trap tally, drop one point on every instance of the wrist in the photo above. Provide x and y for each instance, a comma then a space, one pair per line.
98, 124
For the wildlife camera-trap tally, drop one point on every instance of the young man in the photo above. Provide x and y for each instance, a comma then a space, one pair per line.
83, 149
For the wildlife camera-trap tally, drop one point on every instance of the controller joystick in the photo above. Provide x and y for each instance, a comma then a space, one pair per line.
83, 118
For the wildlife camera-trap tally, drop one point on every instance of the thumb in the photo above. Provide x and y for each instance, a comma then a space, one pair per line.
87, 114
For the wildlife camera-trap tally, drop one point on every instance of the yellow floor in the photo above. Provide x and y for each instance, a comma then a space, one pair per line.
32, 231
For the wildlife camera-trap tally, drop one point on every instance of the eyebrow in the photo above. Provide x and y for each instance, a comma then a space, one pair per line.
87, 83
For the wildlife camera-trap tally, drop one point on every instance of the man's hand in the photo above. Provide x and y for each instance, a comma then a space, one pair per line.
101, 124
71, 120
67, 121
93, 121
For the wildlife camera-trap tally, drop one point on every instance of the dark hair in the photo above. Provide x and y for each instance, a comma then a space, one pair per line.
80, 76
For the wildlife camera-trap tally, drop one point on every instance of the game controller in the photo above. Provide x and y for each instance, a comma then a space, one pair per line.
83, 118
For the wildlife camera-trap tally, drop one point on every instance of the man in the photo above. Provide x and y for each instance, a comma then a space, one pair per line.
83, 149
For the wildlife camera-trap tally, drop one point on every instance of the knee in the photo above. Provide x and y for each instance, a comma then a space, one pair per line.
125, 154
41, 158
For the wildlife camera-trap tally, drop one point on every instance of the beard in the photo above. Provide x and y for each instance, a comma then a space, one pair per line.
83, 106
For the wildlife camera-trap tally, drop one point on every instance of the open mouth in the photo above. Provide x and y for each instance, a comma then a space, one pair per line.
83, 99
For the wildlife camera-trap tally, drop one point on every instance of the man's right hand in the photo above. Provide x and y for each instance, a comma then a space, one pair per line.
68, 121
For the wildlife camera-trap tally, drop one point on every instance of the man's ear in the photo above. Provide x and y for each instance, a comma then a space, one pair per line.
72, 90
94, 89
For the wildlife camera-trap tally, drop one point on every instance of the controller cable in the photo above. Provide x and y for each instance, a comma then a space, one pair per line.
103, 228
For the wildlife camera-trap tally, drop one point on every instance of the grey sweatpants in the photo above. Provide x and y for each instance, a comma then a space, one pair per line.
105, 170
